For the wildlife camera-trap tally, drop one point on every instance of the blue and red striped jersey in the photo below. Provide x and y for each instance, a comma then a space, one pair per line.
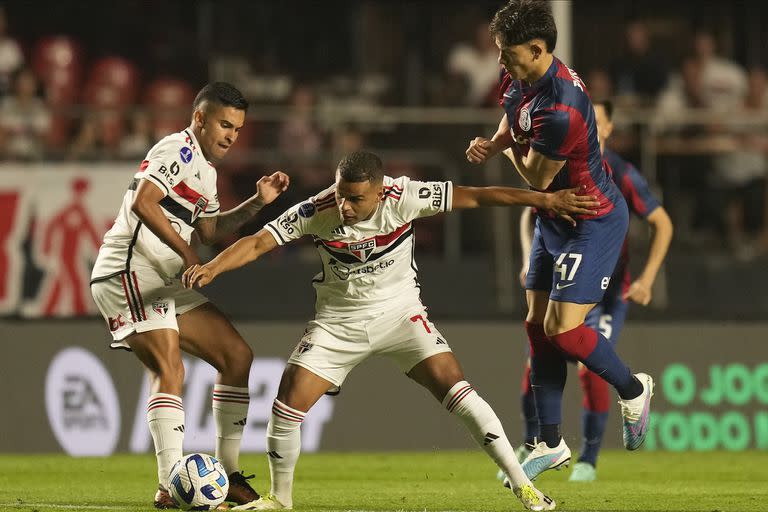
640, 200
555, 117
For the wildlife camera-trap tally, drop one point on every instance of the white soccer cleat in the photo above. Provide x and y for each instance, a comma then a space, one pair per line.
268, 502
534, 499
543, 458
636, 413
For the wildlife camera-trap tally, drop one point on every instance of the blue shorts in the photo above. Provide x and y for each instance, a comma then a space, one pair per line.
575, 264
608, 316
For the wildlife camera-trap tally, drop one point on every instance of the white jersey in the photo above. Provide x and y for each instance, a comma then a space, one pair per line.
369, 266
177, 166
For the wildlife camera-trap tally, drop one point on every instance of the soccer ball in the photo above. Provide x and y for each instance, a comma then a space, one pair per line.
198, 482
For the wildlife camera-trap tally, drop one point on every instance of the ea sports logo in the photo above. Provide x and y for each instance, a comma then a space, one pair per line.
82, 403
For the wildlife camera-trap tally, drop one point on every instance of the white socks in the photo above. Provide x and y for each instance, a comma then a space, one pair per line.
283, 447
230, 411
165, 415
485, 428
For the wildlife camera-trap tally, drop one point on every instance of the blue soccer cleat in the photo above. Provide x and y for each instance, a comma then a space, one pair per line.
636, 414
543, 458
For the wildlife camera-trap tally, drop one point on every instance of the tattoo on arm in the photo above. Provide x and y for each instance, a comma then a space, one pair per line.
230, 221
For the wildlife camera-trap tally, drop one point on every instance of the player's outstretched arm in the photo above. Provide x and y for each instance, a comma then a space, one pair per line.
268, 188
640, 289
563, 202
146, 206
236, 255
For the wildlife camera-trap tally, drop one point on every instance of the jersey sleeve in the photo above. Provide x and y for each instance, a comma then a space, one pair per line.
638, 194
299, 220
420, 198
167, 164
554, 133
213, 208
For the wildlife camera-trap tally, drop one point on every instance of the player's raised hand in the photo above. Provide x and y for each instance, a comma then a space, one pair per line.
639, 293
197, 275
568, 202
269, 187
480, 150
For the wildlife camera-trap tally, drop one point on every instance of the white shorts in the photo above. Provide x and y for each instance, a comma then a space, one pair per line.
331, 348
141, 301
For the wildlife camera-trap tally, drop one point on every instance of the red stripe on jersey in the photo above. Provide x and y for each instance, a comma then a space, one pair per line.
392, 193
326, 206
381, 240
143, 166
326, 198
187, 193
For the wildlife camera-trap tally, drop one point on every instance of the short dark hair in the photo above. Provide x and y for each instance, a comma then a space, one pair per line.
223, 94
607, 105
361, 166
521, 21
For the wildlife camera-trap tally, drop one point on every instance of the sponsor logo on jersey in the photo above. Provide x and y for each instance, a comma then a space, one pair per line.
160, 307
339, 230
437, 195
343, 272
424, 193
186, 154
307, 210
287, 220
362, 250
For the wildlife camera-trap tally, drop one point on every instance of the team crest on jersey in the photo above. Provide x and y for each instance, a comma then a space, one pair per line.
525, 119
362, 250
160, 307
200, 206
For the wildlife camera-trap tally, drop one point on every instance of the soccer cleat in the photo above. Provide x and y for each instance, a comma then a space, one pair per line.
583, 472
268, 502
240, 491
521, 452
543, 458
534, 499
636, 414
164, 500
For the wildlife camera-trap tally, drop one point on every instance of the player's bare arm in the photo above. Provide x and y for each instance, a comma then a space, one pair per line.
640, 289
235, 256
268, 188
482, 149
526, 240
535, 168
146, 206
563, 202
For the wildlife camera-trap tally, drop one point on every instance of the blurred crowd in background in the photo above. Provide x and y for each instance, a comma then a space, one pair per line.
693, 88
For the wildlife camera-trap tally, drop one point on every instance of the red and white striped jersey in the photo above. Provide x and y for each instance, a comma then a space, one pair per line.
368, 266
176, 166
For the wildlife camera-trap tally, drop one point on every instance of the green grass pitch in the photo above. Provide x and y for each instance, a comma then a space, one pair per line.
433, 481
